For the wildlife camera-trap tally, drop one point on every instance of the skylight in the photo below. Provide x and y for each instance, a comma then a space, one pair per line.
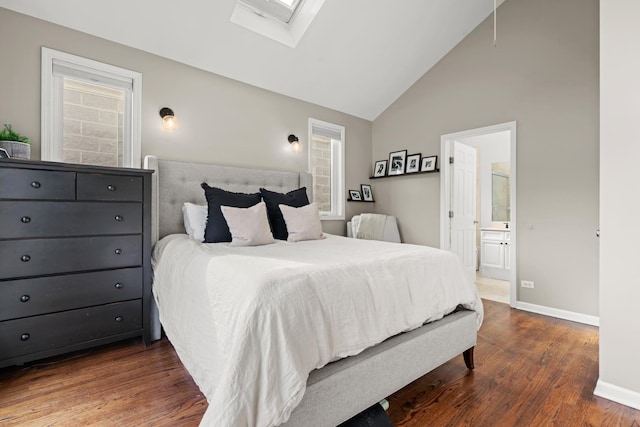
282, 10
284, 21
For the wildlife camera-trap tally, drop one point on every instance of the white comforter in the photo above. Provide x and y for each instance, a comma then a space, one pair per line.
279, 311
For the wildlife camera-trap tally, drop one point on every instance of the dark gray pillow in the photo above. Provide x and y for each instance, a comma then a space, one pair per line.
295, 198
217, 229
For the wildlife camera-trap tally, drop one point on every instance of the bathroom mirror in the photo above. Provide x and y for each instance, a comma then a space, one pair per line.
500, 192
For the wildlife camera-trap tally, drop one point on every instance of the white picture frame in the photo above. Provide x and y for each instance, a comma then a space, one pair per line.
380, 169
355, 195
429, 164
397, 162
413, 163
367, 194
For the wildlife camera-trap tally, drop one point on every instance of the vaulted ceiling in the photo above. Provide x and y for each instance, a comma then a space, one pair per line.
357, 56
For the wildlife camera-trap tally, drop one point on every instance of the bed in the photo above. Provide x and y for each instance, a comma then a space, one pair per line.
357, 364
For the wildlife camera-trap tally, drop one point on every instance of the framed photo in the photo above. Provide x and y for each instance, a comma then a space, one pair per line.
380, 169
367, 195
397, 161
355, 195
413, 163
429, 164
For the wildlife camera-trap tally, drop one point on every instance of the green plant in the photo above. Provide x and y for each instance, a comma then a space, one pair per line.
9, 134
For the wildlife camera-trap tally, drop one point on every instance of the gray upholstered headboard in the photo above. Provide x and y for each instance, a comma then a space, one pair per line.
177, 182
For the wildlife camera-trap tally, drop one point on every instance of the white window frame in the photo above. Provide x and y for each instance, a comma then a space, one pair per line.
337, 168
52, 102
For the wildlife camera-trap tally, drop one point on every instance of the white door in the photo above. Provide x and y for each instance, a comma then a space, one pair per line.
463, 206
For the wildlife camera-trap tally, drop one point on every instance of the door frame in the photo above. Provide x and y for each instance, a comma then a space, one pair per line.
446, 148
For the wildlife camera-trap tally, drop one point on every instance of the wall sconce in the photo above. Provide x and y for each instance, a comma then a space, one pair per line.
168, 118
295, 143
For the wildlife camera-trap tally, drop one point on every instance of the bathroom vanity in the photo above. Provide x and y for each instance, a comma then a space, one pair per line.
495, 253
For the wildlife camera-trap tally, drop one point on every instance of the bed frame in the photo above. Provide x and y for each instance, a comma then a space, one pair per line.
343, 388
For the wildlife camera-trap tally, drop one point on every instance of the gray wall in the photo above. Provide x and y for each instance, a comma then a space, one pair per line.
620, 200
220, 120
544, 75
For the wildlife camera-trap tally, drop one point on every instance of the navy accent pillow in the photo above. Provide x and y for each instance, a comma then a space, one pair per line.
295, 198
217, 229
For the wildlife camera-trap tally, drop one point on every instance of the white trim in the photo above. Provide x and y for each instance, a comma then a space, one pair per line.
617, 394
338, 166
445, 196
446, 141
51, 126
558, 313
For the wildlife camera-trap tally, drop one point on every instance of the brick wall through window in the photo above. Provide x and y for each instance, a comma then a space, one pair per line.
321, 170
93, 124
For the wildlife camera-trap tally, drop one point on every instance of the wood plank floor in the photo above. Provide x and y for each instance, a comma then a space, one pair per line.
531, 370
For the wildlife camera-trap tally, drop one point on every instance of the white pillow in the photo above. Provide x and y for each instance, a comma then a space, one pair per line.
248, 226
302, 223
195, 220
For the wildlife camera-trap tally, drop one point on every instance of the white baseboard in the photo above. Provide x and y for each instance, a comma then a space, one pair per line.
560, 314
617, 394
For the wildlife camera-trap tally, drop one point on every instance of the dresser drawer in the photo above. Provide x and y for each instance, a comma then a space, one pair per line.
34, 257
30, 297
109, 187
37, 184
59, 219
50, 331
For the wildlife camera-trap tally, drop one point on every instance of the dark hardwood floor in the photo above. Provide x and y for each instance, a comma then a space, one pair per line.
531, 370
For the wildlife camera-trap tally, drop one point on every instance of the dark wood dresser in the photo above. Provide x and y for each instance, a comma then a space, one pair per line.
75, 255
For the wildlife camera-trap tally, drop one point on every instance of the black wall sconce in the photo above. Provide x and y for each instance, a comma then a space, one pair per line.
295, 143
168, 118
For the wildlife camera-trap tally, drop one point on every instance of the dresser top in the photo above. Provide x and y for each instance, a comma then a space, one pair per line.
75, 167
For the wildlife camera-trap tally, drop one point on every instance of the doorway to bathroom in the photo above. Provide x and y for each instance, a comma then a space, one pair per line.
478, 200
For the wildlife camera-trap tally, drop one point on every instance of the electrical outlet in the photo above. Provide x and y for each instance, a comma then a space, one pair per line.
526, 284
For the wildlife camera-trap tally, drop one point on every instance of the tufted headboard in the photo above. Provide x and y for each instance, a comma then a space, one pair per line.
174, 183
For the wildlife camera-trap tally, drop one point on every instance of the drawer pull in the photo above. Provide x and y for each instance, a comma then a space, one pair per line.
25, 220
25, 258
119, 319
25, 298
119, 285
111, 187
35, 184
118, 251
24, 337
119, 218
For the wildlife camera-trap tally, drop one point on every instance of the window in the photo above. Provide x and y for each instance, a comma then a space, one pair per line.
90, 111
326, 163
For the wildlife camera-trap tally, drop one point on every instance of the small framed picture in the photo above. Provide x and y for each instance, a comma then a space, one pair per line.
380, 169
397, 161
413, 163
367, 195
355, 195
429, 164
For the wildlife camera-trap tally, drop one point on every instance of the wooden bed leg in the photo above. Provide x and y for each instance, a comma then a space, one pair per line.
468, 358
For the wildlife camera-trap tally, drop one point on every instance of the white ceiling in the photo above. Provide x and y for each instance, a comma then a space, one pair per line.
358, 56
